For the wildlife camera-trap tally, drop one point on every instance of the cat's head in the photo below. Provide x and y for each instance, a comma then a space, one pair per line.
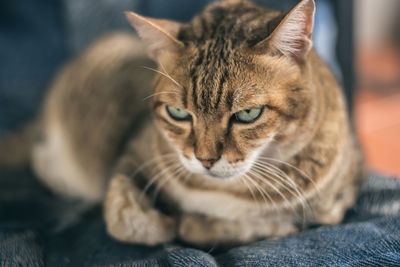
231, 82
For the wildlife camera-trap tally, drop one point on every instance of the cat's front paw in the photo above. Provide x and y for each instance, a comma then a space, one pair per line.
129, 221
205, 231
193, 229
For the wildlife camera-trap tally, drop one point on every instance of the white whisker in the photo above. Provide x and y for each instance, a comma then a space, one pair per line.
293, 190
258, 175
176, 172
155, 178
271, 172
160, 93
164, 74
152, 161
169, 76
295, 168
249, 188
284, 177
262, 192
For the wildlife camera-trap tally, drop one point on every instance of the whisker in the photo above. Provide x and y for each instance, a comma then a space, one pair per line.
282, 175
274, 168
152, 161
290, 165
164, 74
249, 188
295, 168
160, 93
258, 175
155, 178
258, 188
284, 183
177, 171
168, 157
262, 192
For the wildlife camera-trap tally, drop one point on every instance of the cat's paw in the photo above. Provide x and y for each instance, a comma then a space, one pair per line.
193, 229
205, 231
127, 220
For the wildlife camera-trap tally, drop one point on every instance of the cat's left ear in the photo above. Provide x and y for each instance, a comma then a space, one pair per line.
293, 36
160, 35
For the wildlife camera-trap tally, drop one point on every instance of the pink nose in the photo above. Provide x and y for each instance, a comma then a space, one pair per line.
208, 163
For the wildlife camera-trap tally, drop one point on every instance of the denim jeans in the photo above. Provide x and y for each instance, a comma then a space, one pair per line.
38, 228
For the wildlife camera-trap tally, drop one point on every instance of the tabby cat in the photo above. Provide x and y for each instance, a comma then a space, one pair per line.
244, 136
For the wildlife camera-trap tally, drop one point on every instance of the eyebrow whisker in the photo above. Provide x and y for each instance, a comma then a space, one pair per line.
160, 93
164, 74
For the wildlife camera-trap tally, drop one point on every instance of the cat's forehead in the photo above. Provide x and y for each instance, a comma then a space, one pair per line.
239, 22
218, 73
225, 81
213, 72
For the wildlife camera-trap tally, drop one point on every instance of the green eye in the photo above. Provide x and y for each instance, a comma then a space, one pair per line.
248, 115
178, 114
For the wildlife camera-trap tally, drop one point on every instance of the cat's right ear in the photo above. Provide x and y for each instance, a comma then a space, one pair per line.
292, 37
159, 34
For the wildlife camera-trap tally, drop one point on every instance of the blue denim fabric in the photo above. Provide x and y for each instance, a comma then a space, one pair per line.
38, 228
32, 46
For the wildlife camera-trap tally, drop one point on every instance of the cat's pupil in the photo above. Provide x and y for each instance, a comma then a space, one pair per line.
248, 110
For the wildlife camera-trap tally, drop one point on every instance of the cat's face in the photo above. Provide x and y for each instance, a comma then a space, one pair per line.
222, 115
232, 83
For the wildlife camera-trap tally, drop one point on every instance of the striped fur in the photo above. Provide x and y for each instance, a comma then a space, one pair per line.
218, 180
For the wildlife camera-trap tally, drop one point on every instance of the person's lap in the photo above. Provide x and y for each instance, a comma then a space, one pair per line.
39, 227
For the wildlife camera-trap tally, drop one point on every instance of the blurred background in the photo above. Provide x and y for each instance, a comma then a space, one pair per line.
360, 39
377, 94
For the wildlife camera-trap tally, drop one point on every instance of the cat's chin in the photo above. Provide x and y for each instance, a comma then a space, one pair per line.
214, 176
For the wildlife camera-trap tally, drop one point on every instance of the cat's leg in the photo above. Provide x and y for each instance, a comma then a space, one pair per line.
333, 209
207, 231
130, 217
339, 196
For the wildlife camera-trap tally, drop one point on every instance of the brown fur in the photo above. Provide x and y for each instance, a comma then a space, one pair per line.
229, 58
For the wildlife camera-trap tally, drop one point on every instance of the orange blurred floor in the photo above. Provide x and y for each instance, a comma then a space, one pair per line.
377, 108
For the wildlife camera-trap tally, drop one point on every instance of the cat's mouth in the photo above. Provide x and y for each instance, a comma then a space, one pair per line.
211, 175
225, 173
221, 170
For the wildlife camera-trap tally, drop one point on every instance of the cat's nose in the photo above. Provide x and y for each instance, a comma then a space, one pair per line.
207, 163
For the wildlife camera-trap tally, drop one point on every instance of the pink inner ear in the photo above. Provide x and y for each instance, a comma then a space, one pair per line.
299, 45
292, 37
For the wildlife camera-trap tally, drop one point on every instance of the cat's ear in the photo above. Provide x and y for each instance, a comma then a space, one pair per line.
293, 36
160, 35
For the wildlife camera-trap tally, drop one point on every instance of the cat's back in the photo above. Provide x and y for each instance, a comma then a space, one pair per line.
93, 106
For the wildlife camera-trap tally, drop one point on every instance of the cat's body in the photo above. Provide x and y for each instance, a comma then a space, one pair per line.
217, 177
